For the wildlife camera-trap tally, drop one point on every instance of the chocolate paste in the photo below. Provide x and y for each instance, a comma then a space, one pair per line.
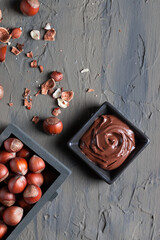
108, 142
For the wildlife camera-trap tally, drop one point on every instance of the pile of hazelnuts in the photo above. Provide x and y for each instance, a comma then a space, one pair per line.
20, 181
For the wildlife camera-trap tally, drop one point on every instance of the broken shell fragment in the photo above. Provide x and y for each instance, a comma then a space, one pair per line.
20, 47
62, 103
40, 68
1, 15
67, 95
10, 104
48, 26
3, 50
4, 35
90, 90
37, 93
34, 64
48, 85
26, 92
50, 35
56, 111
29, 54
57, 93
1, 92
35, 34
35, 119
15, 51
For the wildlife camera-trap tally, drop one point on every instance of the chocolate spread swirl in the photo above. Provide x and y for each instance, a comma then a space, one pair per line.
108, 142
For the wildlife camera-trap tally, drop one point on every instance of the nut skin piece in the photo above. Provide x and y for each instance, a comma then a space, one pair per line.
32, 194
35, 178
3, 172
57, 76
17, 184
16, 33
6, 156
36, 164
29, 7
24, 153
1, 92
19, 165
52, 125
7, 198
3, 50
13, 215
13, 145
3, 229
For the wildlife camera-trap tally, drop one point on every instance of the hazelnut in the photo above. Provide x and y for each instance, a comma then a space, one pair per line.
57, 76
3, 50
7, 198
29, 7
6, 156
36, 164
3, 172
3, 229
19, 165
16, 33
32, 194
52, 125
17, 184
35, 178
24, 153
13, 145
13, 215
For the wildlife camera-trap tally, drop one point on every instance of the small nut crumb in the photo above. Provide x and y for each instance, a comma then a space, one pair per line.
50, 35
85, 70
29, 54
34, 64
35, 34
62, 103
41, 68
10, 104
39, 91
90, 90
35, 119
48, 26
56, 111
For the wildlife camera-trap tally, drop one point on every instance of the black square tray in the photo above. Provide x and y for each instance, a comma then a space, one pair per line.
50, 193
141, 142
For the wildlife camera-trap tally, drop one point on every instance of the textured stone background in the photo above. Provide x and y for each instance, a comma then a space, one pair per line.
118, 40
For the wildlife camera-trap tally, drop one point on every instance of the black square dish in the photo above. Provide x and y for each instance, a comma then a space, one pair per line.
141, 141
49, 192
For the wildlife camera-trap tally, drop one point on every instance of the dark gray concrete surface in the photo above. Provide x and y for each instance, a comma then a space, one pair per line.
118, 40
